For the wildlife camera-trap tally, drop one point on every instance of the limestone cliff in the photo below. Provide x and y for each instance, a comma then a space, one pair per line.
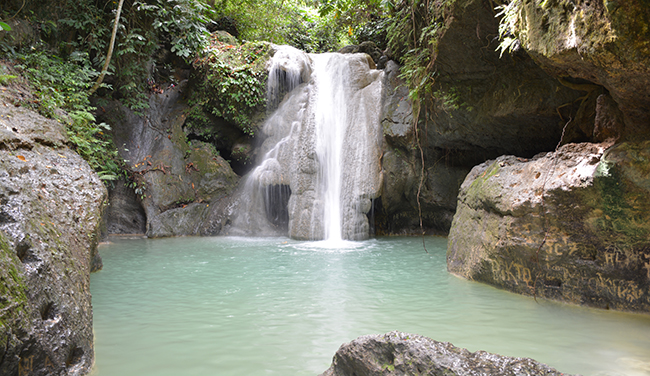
483, 106
176, 180
599, 42
51, 204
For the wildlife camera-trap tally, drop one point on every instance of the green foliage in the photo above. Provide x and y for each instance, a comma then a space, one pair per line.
292, 22
4, 27
232, 84
360, 20
58, 83
413, 37
145, 26
181, 21
510, 14
93, 145
315, 34
355, 12
7, 78
62, 85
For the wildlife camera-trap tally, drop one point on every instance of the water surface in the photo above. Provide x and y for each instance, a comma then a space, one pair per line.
274, 306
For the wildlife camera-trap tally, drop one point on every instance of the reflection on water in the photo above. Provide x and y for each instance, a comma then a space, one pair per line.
275, 306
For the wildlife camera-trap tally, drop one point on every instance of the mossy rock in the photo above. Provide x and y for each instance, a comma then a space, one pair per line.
571, 225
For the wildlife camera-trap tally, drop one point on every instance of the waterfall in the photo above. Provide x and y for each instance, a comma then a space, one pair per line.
320, 161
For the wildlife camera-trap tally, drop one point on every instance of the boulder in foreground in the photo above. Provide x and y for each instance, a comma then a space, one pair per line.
398, 353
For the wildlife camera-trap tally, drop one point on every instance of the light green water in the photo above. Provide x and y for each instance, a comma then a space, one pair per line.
236, 306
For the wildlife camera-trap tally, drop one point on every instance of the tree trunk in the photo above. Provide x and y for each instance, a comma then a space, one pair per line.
110, 50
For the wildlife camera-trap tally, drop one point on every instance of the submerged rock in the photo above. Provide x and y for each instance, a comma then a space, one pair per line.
51, 205
572, 225
401, 354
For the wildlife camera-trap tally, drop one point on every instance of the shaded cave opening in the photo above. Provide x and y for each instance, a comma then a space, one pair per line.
276, 205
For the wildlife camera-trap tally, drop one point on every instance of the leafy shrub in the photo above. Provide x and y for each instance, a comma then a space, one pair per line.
63, 85
93, 145
58, 83
233, 84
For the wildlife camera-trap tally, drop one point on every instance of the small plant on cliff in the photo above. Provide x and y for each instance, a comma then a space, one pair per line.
509, 14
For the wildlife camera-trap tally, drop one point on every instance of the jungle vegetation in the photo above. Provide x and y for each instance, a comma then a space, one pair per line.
60, 47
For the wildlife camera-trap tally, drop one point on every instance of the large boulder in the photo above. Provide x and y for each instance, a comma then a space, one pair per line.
51, 205
603, 42
402, 354
573, 225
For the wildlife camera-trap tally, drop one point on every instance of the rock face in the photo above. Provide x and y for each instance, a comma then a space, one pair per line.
489, 105
125, 214
572, 225
401, 354
603, 42
51, 205
178, 180
402, 169
485, 106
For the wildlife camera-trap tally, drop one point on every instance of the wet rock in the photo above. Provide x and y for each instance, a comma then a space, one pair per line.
602, 42
396, 111
400, 354
172, 172
572, 225
402, 168
51, 204
185, 220
608, 123
399, 212
370, 48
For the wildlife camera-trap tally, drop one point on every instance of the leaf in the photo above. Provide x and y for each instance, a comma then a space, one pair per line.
4, 27
108, 177
21, 158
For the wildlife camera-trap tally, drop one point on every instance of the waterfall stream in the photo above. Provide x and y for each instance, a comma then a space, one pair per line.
320, 166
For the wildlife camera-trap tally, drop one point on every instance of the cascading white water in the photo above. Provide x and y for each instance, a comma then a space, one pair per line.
331, 119
322, 146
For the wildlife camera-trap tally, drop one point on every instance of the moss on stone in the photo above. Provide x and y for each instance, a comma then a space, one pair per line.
12, 289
